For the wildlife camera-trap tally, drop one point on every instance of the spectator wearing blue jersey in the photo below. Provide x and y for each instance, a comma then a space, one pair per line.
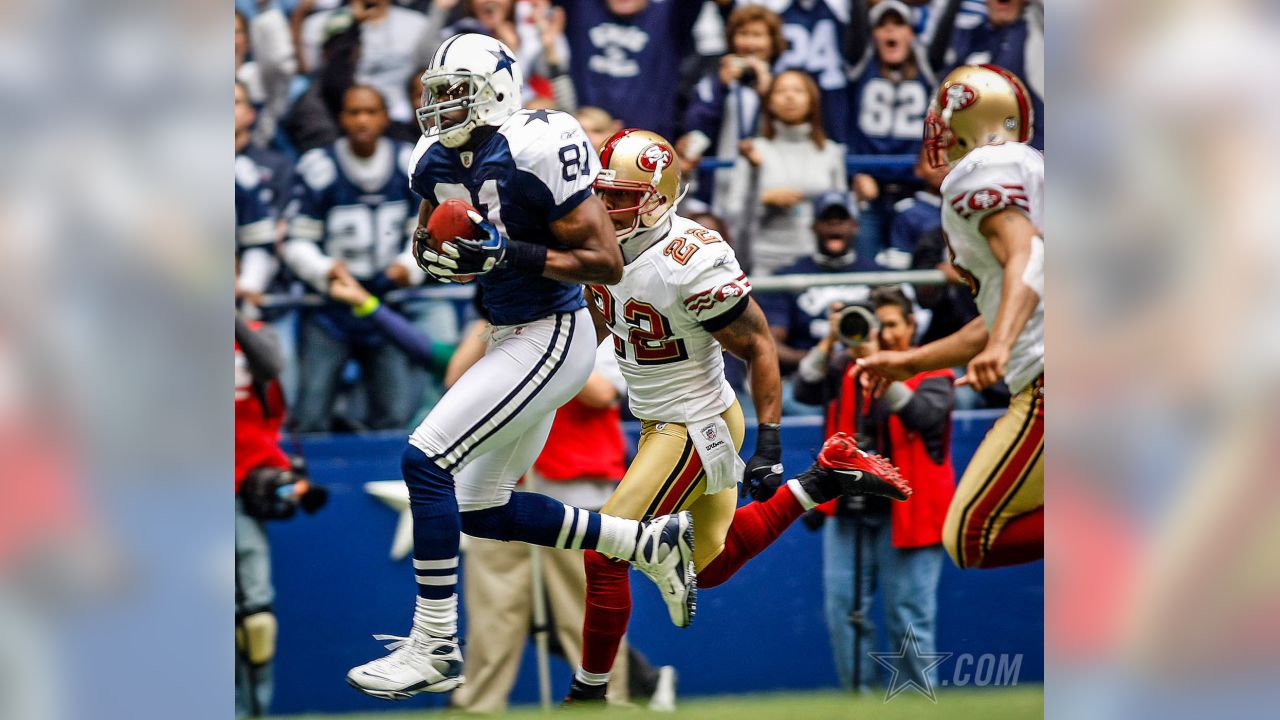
255, 222
1012, 36
798, 320
725, 107
891, 87
791, 162
625, 56
914, 217
351, 211
817, 33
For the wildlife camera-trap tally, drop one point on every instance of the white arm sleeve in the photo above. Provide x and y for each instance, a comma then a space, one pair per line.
306, 261
257, 267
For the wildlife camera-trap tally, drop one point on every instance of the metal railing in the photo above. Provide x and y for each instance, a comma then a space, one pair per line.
771, 284
777, 283
853, 163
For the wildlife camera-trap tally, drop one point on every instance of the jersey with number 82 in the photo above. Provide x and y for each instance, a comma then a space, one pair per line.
671, 298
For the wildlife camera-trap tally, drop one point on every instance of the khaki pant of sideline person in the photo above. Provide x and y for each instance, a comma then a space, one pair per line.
497, 591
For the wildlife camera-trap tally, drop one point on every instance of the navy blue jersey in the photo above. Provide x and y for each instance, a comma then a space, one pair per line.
534, 170
1004, 46
630, 66
255, 226
356, 210
816, 33
913, 218
926, 17
887, 116
359, 211
804, 314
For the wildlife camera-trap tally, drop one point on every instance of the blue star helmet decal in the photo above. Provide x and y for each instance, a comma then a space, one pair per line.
537, 115
505, 61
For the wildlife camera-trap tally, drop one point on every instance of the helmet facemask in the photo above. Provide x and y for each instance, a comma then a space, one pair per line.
445, 92
647, 199
938, 138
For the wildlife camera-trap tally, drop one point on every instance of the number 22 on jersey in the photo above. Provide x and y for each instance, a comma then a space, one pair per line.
648, 334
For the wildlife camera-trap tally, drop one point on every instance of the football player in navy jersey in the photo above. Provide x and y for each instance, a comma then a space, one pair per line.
529, 175
351, 207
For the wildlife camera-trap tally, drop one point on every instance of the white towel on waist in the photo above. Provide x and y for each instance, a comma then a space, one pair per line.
720, 459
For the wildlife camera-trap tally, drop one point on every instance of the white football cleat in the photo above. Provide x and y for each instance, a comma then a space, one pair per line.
416, 664
664, 553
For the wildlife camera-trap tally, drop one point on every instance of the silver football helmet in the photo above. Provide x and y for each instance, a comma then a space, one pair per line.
473, 80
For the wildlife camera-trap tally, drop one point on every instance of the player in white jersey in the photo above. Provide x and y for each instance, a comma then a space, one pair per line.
682, 300
992, 217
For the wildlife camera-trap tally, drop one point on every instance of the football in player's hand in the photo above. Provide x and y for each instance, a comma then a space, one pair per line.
451, 220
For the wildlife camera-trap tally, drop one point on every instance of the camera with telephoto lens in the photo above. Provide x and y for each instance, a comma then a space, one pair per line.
855, 325
272, 493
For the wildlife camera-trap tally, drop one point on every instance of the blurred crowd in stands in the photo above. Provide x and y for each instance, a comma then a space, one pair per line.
799, 123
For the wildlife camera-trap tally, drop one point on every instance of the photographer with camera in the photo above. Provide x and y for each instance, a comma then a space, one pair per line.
269, 485
870, 542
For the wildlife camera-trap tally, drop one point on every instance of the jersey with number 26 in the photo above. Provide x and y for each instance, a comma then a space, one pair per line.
534, 170
671, 298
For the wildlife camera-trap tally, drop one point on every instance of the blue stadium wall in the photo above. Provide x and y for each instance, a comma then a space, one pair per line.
762, 631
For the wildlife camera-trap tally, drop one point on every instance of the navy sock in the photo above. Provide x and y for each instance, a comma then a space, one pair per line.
436, 525
538, 520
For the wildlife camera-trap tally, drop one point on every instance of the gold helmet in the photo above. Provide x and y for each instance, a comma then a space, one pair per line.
976, 105
645, 164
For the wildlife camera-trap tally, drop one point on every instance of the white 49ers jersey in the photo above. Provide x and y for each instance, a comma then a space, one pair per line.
987, 180
659, 314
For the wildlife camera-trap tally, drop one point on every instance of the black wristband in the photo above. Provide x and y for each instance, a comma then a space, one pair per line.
526, 256
768, 436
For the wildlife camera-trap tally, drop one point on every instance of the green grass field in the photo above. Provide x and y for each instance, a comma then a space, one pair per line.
995, 704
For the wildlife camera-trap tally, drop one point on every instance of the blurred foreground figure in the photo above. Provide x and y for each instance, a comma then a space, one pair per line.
979, 124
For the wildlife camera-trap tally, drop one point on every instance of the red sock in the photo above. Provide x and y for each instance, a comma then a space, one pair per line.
1021, 540
607, 613
755, 526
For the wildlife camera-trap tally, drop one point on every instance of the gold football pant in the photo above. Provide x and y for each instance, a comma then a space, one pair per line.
666, 476
997, 515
